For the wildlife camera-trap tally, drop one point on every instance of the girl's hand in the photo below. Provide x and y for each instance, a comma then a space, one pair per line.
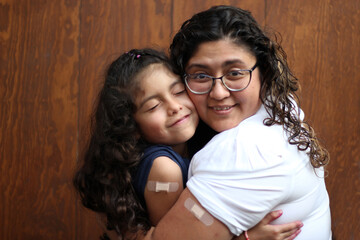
264, 231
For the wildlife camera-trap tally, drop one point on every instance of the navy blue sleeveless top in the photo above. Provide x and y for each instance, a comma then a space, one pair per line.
150, 154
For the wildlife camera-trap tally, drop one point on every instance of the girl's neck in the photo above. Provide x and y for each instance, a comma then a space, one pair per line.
180, 149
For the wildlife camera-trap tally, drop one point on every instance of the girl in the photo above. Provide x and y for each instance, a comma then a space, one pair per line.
140, 127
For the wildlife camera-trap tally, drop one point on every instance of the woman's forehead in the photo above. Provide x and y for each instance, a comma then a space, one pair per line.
220, 54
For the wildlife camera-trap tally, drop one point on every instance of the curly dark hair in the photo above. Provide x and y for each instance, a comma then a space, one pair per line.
278, 84
114, 150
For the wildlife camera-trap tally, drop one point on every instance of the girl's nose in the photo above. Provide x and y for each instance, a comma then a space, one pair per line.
174, 107
219, 91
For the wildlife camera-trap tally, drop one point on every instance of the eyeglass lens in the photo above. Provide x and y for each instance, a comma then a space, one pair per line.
235, 80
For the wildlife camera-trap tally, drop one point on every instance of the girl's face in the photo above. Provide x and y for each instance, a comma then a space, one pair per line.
222, 109
165, 113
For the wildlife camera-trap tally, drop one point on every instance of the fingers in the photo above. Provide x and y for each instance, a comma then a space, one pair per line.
271, 216
293, 236
288, 231
290, 226
291, 233
265, 230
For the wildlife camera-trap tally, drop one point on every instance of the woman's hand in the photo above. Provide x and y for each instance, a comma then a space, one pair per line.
264, 231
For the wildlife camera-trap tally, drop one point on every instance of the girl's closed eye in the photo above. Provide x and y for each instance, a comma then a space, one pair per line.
153, 108
151, 105
180, 92
179, 89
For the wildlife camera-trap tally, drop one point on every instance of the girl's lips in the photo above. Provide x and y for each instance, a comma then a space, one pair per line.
180, 120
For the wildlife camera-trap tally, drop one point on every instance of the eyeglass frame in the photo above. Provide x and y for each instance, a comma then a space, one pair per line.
221, 78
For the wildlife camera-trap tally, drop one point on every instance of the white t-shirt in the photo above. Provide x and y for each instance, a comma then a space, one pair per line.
245, 172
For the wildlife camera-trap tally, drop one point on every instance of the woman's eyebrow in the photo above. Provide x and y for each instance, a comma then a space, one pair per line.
230, 62
224, 64
196, 65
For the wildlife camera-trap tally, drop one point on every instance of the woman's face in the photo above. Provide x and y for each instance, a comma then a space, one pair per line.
165, 113
222, 109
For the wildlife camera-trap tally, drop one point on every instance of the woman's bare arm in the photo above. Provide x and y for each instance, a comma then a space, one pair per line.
179, 223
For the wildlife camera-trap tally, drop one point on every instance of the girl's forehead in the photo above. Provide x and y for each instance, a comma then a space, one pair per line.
144, 74
156, 72
155, 79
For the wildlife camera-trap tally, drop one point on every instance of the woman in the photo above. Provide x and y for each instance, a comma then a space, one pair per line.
265, 156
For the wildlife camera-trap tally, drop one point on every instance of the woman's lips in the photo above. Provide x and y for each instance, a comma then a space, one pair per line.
224, 109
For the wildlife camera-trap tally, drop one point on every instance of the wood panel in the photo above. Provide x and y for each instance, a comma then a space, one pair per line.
322, 39
184, 9
38, 118
109, 28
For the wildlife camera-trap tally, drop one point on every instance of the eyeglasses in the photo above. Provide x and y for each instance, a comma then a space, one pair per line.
235, 81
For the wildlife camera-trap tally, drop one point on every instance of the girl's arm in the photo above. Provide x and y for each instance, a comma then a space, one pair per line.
159, 203
265, 231
168, 213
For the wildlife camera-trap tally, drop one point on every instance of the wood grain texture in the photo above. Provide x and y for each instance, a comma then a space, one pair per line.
108, 29
185, 9
322, 39
39, 60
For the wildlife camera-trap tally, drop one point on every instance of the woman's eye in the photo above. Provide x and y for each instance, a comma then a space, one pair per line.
235, 73
200, 76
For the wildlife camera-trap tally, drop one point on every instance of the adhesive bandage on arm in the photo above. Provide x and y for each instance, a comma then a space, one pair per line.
198, 212
156, 186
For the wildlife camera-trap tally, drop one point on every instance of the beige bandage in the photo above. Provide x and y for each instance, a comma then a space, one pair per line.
198, 212
156, 186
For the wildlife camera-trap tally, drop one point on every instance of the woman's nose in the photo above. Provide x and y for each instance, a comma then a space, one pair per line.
219, 91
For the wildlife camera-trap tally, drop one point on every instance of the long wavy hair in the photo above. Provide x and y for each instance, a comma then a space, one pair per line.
115, 147
278, 84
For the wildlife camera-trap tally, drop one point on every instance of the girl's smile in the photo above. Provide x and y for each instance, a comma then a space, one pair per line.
165, 113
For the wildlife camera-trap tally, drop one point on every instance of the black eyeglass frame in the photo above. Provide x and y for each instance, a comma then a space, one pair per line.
221, 78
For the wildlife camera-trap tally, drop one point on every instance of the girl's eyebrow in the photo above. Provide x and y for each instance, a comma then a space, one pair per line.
175, 82
224, 64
